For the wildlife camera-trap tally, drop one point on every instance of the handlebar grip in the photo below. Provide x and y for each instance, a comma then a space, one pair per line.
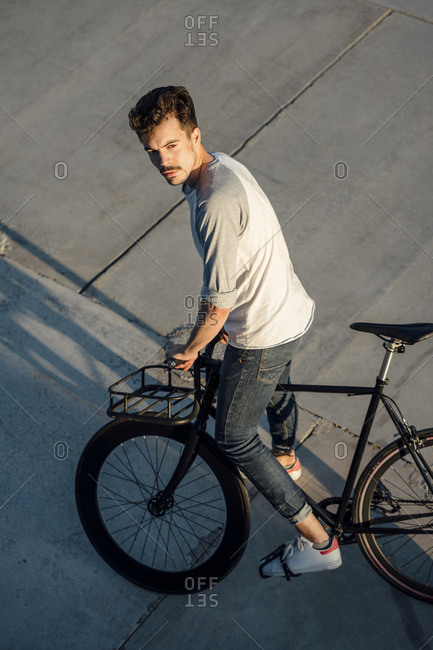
173, 362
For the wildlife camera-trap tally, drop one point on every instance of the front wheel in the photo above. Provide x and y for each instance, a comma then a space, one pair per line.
186, 544
392, 493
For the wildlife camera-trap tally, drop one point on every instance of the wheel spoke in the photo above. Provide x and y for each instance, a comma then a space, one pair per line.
188, 528
393, 494
160, 540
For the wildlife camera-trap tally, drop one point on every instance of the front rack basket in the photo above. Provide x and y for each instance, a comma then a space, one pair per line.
152, 398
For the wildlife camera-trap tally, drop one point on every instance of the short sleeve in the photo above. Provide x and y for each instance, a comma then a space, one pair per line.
218, 229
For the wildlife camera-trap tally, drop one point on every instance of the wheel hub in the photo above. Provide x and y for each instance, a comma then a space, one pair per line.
158, 506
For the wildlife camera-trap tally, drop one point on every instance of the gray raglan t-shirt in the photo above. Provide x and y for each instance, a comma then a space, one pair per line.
246, 264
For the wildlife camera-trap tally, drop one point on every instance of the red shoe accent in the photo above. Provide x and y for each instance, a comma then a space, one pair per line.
294, 470
334, 547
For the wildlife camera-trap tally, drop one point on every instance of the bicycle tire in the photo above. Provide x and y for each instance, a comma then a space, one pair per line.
391, 483
196, 542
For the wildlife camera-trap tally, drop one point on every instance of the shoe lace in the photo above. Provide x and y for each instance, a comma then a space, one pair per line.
291, 546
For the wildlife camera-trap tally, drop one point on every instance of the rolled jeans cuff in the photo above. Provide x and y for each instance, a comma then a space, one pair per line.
299, 516
283, 449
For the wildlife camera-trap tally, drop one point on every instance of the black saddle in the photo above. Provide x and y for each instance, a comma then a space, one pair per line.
410, 334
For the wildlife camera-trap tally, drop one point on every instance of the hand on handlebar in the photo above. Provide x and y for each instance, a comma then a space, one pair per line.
176, 353
184, 360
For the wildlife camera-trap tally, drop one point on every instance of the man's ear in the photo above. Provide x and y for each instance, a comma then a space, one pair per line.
196, 135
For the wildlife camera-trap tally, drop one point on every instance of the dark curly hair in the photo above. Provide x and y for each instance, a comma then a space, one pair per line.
159, 104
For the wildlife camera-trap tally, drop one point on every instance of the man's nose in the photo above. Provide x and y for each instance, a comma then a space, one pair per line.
164, 159
158, 159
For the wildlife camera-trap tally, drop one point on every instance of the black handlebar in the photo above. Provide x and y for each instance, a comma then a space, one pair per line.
210, 346
208, 351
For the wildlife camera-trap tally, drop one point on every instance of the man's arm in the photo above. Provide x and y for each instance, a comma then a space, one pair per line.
210, 319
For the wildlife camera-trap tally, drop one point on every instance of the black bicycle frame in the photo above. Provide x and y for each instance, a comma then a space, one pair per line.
376, 393
337, 521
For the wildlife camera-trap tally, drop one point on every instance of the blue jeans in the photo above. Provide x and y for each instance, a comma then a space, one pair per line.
246, 389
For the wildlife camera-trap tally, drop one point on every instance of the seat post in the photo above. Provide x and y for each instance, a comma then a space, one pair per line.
391, 348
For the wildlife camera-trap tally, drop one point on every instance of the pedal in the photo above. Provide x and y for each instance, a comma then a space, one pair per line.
278, 553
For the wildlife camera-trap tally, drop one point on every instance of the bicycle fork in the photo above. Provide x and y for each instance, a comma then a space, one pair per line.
164, 498
410, 437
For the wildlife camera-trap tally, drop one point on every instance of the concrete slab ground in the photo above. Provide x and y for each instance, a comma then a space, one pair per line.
77, 189
414, 8
59, 352
361, 244
328, 104
245, 612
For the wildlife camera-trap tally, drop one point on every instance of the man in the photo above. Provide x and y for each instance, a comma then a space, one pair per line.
250, 288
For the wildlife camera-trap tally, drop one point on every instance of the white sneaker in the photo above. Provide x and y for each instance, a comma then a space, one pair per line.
299, 556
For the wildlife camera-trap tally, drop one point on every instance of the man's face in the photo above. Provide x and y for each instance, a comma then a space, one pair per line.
172, 151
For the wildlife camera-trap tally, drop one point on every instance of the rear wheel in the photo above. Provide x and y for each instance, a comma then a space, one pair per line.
186, 544
391, 492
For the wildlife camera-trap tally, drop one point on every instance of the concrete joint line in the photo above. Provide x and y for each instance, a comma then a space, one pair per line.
141, 620
312, 81
128, 248
400, 11
312, 431
245, 142
321, 420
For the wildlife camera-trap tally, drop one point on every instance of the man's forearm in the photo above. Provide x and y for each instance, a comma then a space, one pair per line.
210, 320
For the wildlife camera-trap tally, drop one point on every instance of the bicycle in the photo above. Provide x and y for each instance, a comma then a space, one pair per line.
168, 511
